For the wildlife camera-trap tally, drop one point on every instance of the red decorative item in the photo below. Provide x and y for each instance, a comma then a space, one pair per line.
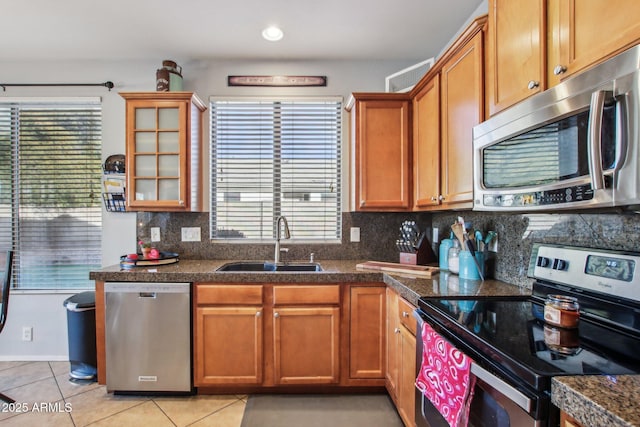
154, 254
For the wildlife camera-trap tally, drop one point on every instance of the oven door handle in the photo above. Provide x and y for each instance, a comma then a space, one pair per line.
510, 392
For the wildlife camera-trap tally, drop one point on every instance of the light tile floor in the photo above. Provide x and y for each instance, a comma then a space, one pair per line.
45, 397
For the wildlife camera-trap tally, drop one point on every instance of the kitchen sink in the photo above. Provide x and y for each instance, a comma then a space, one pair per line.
249, 266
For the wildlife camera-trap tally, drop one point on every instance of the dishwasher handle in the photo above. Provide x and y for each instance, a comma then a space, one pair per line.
147, 288
147, 294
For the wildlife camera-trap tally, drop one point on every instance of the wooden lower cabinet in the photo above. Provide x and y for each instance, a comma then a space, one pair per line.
229, 346
367, 332
260, 336
306, 344
228, 338
407, 377
567, 420
401, 356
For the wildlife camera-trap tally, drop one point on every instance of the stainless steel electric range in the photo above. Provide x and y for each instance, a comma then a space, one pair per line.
515, 352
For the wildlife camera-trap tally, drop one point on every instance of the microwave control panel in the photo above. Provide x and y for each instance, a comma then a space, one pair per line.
540, 198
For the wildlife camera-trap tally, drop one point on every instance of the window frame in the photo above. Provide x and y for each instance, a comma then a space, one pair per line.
90, 208
340, 158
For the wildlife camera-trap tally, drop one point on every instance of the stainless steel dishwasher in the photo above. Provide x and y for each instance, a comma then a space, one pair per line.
148, 337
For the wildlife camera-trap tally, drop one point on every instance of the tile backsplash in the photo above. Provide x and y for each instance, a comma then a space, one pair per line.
379, 231
518, 232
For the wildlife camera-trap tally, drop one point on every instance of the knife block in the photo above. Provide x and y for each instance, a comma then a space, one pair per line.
422, 256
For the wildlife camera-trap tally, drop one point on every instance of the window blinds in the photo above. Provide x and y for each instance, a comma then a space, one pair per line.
50, 204
275, 157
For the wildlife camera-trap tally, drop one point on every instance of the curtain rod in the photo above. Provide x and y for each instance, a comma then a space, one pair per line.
108, 85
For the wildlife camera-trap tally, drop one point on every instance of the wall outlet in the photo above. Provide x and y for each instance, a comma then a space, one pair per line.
155, 234
27, 333
355, 234
190, 234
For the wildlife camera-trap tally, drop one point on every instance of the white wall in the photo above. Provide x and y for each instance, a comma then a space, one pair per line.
44, 311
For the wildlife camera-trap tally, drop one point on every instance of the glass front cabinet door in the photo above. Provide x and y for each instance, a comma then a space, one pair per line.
163, 151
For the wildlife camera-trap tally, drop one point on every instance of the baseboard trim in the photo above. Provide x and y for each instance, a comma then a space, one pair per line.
34, 358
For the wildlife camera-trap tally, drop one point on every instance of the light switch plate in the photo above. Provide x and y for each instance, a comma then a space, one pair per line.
155, 234
355, 234
190, 234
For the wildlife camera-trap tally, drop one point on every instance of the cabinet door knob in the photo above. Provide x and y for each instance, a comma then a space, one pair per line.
533, 84
560, 69
181, 202
441, 197
405, 314
396, 330
258, 313
434, 199
276, 314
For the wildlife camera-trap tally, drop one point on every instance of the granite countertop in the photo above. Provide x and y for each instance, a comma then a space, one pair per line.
599, 400
334, 271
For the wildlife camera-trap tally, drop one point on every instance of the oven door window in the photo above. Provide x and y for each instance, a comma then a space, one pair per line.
489, 408
552, 153
486, 411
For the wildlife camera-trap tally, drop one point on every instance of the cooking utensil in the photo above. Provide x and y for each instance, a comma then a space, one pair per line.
458, 230
463, 236
479, 242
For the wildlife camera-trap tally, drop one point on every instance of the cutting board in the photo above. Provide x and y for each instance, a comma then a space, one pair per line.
415, 270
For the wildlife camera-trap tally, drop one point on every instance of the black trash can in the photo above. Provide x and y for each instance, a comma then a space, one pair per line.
81, 328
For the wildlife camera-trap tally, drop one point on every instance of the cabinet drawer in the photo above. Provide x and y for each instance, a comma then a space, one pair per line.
405, 310
306, 294
229, 294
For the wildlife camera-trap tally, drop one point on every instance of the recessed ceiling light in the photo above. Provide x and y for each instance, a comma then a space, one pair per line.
273, 34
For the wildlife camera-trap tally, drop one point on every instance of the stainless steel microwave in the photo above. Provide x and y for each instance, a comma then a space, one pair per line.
574, 146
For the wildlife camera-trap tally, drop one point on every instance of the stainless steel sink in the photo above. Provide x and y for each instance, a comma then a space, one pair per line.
249, 266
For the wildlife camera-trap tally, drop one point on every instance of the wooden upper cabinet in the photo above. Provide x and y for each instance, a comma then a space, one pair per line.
582, 33
462, 107
516, 51
426, 145
381, 151
163, 151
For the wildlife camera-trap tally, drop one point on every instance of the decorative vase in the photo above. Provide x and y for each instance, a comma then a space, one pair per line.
146, 252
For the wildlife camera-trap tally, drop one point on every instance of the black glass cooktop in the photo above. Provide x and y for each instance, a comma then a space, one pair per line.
511, 336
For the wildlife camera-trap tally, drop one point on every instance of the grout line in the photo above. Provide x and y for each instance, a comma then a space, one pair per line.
165, 414
27, 383
216, 411
119, 412
64, 399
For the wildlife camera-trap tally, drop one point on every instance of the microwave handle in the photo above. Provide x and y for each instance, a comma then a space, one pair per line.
622, 131
595, 146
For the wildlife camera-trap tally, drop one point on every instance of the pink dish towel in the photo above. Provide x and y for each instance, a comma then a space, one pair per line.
445, 377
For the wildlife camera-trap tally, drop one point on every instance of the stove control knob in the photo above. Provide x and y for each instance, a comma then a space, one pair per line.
560, 264
544, 262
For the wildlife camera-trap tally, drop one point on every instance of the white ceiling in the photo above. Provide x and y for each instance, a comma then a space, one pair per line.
209, 29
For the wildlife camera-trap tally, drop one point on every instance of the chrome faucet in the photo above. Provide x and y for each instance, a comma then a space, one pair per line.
287, 235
